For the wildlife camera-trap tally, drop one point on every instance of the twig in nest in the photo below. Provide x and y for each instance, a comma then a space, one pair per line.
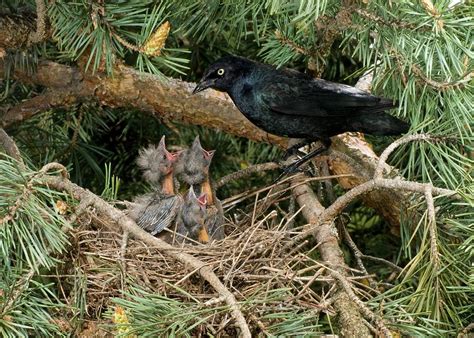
247, 172
116, 216
123, 251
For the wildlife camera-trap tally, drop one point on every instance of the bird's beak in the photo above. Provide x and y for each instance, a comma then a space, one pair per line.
202, 85
203, 235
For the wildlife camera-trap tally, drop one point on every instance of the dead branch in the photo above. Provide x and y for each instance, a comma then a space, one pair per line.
246, 172
432, 226
118, 217
397, 143
11, 148
40, 33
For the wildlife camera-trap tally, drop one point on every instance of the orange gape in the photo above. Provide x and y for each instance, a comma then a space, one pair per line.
206, 189
168, 185
203, 236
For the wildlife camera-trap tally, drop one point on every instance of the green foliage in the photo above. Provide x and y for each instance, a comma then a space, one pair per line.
103, 33
419, 59
149, 314
30, 237
111, 186
26, 306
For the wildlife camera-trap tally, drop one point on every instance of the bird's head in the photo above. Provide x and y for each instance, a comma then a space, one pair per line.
165, 158
223, 73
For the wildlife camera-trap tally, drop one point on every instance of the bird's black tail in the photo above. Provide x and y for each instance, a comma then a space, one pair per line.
381, 124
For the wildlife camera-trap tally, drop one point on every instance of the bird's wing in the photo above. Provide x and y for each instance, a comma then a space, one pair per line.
304, 97
160, 214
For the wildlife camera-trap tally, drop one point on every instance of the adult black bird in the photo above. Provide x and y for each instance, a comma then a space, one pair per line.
292, 104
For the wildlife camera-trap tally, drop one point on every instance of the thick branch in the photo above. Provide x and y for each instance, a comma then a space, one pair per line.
127, 224
42, 102
350, 320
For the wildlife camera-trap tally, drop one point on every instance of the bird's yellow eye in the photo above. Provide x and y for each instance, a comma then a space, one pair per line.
220, 71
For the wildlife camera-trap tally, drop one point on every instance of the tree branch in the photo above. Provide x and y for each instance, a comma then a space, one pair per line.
11, 148
40, 33
247, 172
350, 320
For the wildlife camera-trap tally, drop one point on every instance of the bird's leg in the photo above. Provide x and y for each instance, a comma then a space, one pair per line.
294, 149
294, 167
167, 185
207, 189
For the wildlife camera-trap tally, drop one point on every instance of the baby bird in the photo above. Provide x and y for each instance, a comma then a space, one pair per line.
191, 220
157, 164
157, 210
193, 168
193, 164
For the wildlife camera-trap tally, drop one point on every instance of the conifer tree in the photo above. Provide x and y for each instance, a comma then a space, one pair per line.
70, 72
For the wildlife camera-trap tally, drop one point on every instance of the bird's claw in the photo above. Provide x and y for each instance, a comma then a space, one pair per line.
292, 151
288, 170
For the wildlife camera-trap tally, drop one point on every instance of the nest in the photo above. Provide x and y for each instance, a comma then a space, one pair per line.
256, 260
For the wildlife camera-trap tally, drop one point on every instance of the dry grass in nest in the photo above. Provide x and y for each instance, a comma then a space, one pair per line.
251, 261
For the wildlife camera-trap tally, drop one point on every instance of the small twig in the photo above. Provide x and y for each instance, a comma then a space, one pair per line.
246, 172
214, 301
286, 41
422, 77
40, 33
381, 260
123, 251
53, 166
21, 285
11, 148
466, 330
432, 226
357, 254
381, 21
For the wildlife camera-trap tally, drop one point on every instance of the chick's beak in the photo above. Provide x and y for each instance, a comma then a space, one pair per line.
202, 85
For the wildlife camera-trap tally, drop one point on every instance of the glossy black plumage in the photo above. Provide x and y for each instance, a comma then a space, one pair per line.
292, 104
